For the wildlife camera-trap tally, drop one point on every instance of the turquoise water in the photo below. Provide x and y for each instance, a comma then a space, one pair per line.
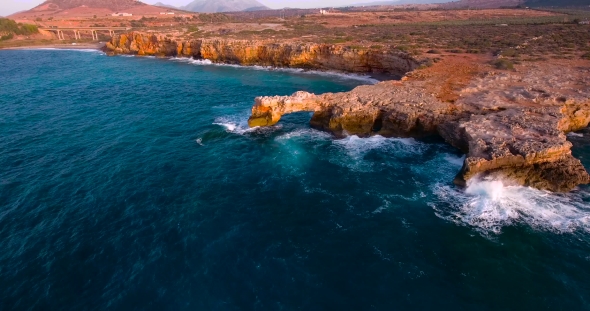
135, 184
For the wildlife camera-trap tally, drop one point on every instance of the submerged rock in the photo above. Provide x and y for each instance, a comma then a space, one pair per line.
511, 125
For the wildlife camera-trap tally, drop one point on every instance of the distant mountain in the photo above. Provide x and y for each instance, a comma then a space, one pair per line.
87, 8
402, 2
482, 4
256, 8
164, 5
214, 6
534, 3
114, 5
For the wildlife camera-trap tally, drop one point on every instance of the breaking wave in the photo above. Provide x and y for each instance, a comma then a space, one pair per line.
489, 206
238, 124
573, 134
331, 74
358, 150
68, 49
306, 134
357, 147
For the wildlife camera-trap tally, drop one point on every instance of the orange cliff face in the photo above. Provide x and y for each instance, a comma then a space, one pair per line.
268, 53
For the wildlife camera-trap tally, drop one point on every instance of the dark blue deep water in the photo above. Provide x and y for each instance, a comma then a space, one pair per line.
135, 184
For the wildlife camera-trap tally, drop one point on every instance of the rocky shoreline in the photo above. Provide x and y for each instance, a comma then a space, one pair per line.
393, 63
510, 124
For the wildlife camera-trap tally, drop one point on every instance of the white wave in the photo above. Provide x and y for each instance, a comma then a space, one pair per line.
67, 49
331, 74
239, 125
307, 134
199, 141
138, 56
192, 61
231, 127
455, 160
357, 149
489, 206
573, 134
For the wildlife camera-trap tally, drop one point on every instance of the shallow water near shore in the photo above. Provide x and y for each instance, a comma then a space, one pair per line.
135, 184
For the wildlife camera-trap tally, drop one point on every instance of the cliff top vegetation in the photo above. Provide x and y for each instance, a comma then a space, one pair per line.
516, 34
8, 26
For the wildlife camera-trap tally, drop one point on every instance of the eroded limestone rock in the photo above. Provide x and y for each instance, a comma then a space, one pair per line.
267, 53
510, 125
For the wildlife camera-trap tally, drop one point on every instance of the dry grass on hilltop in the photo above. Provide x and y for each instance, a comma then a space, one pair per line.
515, 35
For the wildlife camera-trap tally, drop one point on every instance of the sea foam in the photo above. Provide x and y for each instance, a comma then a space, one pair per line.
357, 149
573, 134
331, 74
490, 205
305, 134
238, 124
68, 49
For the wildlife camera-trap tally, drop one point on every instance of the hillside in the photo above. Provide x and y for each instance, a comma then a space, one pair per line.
401, 2
9, 29
483, 4
114, 5
487, 4
164, 5
214, 6
78, 8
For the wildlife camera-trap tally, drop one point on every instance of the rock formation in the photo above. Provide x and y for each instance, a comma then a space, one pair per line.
267, 53
511, 125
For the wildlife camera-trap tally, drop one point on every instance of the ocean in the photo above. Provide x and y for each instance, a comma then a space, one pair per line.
131, 183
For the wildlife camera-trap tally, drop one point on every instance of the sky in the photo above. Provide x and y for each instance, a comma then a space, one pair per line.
8, 7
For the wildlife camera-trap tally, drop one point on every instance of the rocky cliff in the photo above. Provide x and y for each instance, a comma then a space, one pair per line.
267, 53
511, 125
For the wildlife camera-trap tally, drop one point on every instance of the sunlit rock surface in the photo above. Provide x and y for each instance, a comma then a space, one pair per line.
511, 125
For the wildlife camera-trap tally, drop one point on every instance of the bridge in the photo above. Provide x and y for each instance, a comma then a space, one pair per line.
59, 31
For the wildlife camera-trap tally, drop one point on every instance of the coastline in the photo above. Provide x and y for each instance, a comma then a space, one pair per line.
303, 55
369, 78
372, 78
528, 146
376, 110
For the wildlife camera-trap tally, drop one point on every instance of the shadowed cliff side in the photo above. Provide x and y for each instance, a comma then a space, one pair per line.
511, 125
267, 53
